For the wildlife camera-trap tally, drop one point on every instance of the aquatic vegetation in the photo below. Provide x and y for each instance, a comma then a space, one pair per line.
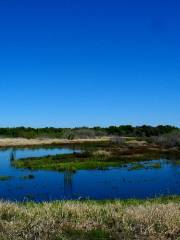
80, 161
30, 176
136, 166
155, 165
177, 162
108, 184
94, 155
5, 178
87, 220
69, 162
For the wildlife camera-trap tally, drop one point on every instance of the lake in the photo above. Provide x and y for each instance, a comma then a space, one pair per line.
114, 183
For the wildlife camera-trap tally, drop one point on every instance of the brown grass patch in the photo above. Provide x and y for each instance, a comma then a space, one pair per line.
59, 220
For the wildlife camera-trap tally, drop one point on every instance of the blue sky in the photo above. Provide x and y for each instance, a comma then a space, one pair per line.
74, 63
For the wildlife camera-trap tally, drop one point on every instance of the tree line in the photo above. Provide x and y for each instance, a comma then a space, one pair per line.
85, 132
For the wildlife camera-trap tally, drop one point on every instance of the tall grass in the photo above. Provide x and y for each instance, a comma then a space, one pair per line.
90, 220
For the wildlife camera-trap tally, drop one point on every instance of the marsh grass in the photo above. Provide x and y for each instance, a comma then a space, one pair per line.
5, 178
139, 166
136, 166
99, 159
128, 219
155, 165
99, 155
71, 162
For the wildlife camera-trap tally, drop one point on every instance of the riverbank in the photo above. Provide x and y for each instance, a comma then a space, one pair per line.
87, 220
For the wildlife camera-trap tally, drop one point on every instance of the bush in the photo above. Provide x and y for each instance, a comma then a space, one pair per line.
83, 133
168, 140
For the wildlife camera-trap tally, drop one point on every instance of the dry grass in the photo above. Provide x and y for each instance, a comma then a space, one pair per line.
90, 220
102, 153
15, 142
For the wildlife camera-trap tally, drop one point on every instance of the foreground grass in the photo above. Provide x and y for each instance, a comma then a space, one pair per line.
68, 220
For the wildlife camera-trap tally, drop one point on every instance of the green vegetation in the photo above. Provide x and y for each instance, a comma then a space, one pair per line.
86, 160
70, 162
155, 165
177, 162
5, 178
88, 220
84, 132
136, 166
102, 155
139, 166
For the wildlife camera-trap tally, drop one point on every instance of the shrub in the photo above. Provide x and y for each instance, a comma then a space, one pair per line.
168, 140
84, 133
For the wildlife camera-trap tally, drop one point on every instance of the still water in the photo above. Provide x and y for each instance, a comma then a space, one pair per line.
115, 183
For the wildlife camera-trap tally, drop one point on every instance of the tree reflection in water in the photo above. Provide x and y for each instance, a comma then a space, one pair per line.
12, 156
68, 184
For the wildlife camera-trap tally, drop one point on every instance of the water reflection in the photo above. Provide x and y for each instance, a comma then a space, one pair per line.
94, 184
12, 156
68, 184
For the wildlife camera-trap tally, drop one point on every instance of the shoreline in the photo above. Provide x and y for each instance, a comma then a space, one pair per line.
23, 142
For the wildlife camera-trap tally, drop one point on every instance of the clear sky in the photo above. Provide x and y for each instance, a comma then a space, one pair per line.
67, 63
